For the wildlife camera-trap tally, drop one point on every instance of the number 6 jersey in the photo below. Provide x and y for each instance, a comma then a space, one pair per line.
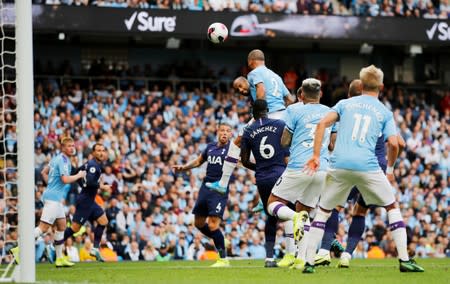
263, 137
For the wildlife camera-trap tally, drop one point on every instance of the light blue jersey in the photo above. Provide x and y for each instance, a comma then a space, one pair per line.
362, 119
57, 190
273, 84
301, 121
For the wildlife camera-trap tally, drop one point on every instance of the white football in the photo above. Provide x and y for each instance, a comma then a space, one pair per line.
217, 32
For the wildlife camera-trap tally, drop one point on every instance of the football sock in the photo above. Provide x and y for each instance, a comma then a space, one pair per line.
355, 233
398, 231
98, 232
230, 163
331, 227
281, 211
68, 233
304, 241
270, 232
316, 232
206, 231
59, 242
289, 234
219, 242
37, 233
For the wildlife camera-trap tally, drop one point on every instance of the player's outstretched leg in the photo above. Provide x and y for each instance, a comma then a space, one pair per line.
230, 163
397, 227
323, 256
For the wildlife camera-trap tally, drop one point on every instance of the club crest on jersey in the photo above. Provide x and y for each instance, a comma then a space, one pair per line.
213, 160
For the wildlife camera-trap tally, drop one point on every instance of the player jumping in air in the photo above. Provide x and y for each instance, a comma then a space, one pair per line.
266, 85
210, 205
86, 207
294, 185
58, 176
262, 138
354, 163
262, 84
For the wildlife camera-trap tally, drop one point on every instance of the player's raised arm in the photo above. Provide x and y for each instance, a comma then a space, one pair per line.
190, 165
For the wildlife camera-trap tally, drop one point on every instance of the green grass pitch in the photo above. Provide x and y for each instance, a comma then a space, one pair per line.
242, 272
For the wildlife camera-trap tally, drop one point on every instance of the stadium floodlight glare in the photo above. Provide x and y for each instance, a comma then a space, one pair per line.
366, 48
61, 36
415, 49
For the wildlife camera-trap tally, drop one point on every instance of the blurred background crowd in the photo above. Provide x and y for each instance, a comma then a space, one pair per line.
429, 9
147, 130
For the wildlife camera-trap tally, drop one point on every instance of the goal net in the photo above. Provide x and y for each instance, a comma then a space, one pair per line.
16, 141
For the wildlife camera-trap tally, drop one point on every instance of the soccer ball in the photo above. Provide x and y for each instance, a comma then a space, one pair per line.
217, 33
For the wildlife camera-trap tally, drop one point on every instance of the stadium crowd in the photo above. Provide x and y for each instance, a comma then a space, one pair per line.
429, 9
149, 207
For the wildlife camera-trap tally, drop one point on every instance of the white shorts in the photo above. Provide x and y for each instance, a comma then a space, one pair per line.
277, 114
52, 210
373, 186
295, 185
273, 115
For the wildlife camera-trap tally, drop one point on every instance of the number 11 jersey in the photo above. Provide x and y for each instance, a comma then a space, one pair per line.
361, 120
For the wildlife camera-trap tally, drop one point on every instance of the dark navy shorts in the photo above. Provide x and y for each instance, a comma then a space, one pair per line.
87, 210
210, 203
